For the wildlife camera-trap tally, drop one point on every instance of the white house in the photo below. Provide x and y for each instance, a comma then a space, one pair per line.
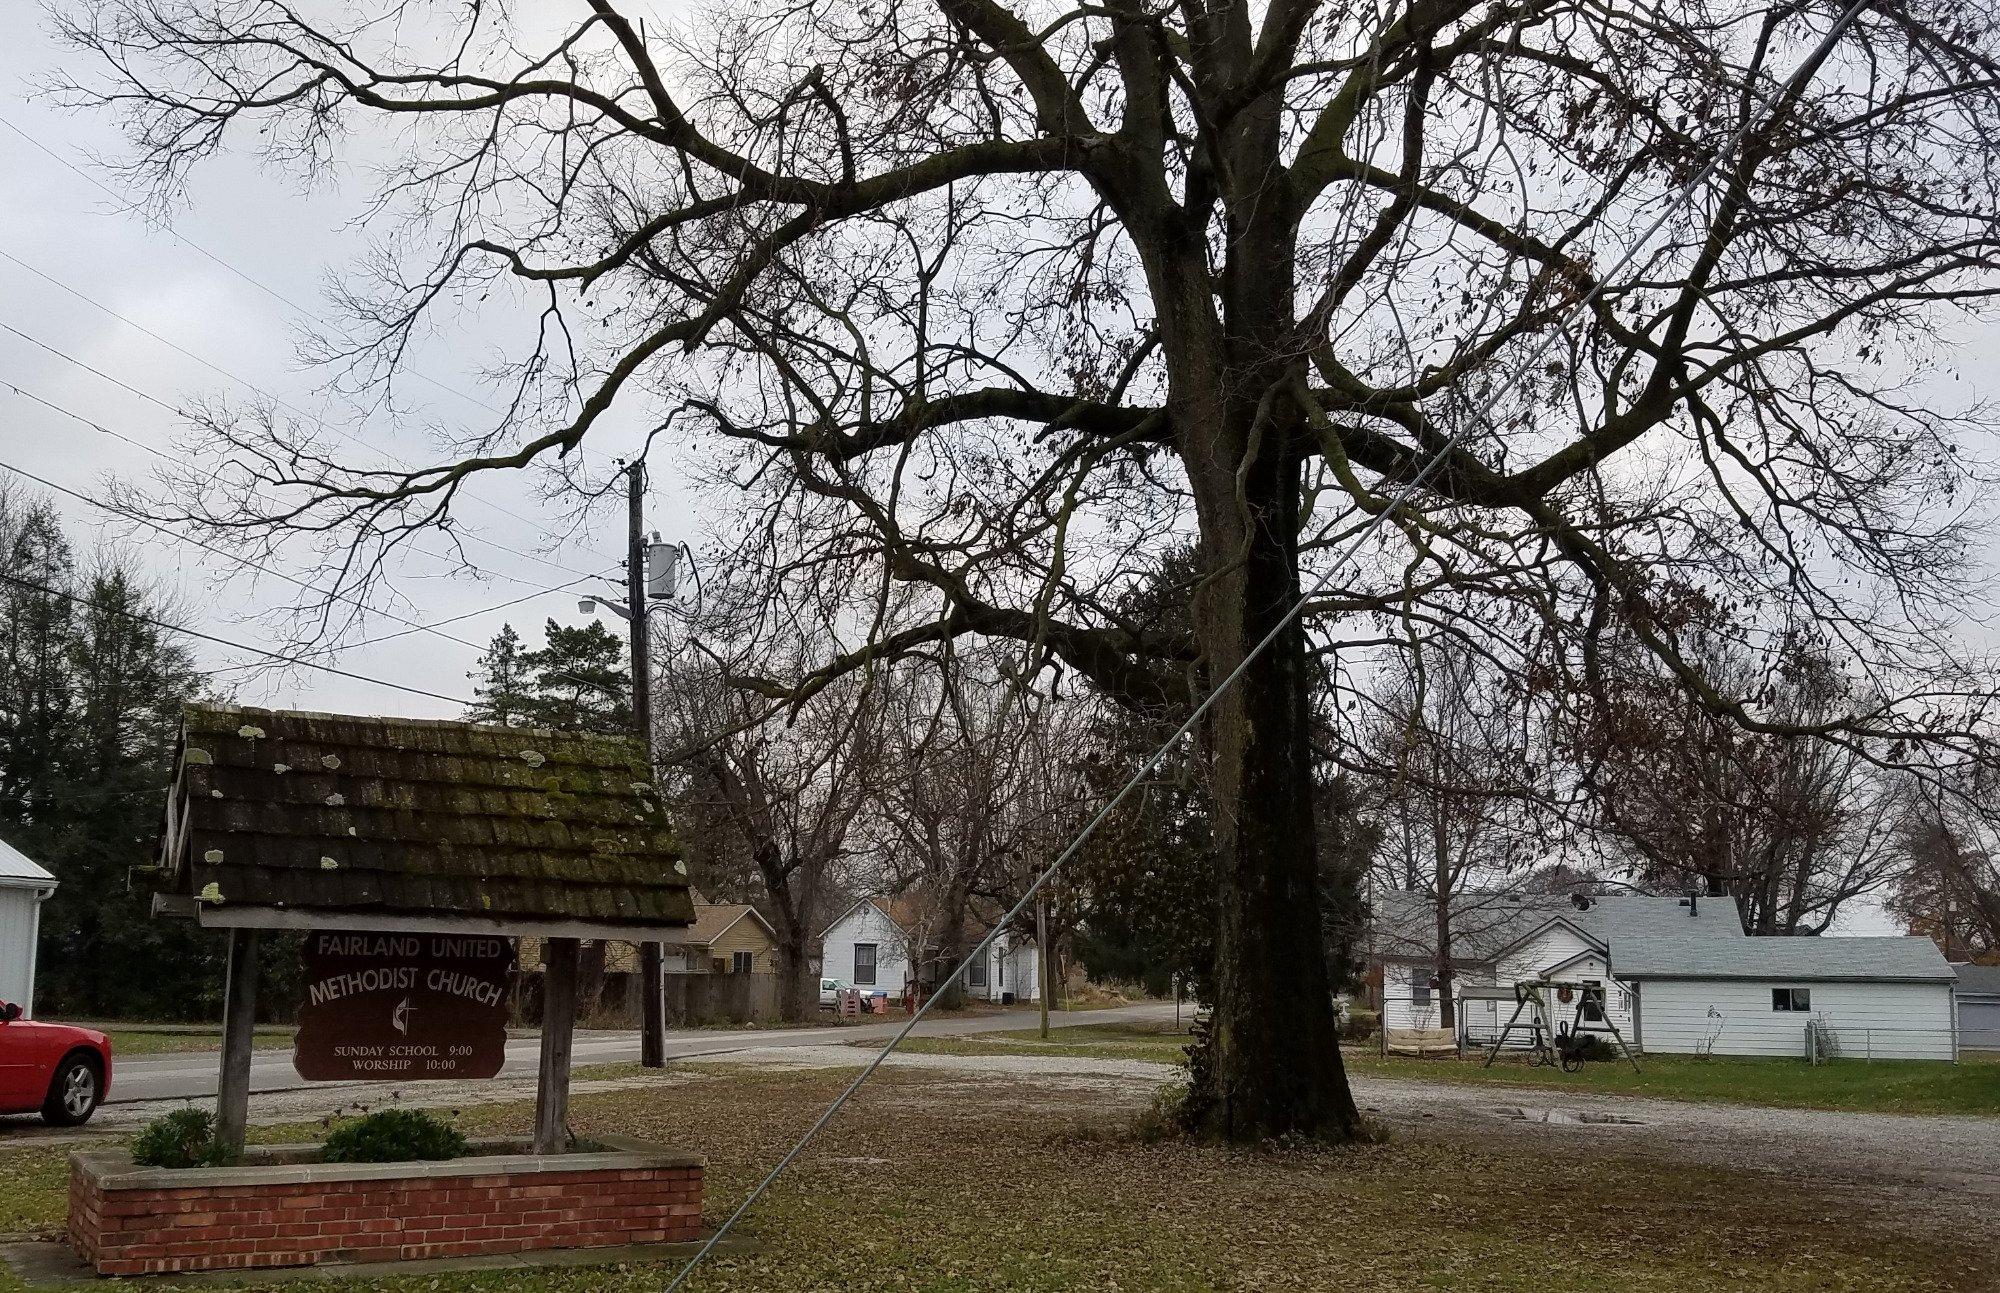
1499, 940
1867, 998
887, 944
1678, 976
24, 886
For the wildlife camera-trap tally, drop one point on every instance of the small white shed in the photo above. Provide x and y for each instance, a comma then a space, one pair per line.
24, 886
1865, 998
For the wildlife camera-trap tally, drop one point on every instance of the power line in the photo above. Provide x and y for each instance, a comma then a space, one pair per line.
240, 559
253, 281
280, 657
473, 614
413, 626
163, 456
247, 384
1341, 557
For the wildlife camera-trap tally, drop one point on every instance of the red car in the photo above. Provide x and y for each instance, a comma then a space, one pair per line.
54, 1069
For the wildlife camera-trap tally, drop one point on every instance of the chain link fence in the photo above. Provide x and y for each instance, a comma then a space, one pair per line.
1418, 1024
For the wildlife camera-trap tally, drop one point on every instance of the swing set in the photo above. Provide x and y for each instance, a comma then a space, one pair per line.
1559, 1043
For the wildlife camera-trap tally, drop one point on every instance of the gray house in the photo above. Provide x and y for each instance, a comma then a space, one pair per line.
1978, 1007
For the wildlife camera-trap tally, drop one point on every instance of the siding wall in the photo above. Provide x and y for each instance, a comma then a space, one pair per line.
1869, 1020
746, 935
867, 924
1483, 1020
1399, 988
1009, 968
19, 922
1979, 1023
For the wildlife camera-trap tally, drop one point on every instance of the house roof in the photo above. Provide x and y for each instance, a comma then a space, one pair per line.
714, 919
1907, 959
911, 913
1486, 924
19, 871
335, 813
1978, 980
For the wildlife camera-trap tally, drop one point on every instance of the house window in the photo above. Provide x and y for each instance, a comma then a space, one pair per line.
1791, 999
864, 964
1420, 988
1003, 971
742, 962
975, 974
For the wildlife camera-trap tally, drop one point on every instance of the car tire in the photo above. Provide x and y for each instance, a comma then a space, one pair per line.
74, 1094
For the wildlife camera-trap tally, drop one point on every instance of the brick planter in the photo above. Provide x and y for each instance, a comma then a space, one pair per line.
282, 1207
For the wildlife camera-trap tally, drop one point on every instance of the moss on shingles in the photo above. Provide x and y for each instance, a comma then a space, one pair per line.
423, 816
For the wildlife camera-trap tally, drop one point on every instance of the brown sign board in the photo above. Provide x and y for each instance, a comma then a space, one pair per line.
394, 1007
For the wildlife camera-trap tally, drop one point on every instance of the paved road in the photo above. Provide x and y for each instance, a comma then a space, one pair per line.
192, 1075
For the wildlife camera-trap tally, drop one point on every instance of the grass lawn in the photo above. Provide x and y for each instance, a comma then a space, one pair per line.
1098, 1041
955, 1183
1873, 1086
1879, 1086
137, 1039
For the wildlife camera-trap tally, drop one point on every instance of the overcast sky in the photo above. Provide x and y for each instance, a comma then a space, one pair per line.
225, 311
269, 249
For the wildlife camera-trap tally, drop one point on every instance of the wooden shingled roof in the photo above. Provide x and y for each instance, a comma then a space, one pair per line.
321, 814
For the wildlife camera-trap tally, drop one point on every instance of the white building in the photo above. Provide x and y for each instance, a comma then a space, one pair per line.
1500, 940
1677, 975
888, 944
1866, 998
24, 886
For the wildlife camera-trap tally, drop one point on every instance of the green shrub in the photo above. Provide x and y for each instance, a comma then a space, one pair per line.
1359, 1026
1595, 1047
394, 1136
183, 1138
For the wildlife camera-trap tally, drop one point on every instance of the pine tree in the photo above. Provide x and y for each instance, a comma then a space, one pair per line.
576, 682
90, 699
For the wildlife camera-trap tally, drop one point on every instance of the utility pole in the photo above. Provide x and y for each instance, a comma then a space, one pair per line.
652, 973
650, 570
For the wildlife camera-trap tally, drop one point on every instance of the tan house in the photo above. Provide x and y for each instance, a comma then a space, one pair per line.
726, 938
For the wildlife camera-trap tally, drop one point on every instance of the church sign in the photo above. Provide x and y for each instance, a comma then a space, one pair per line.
396, 1007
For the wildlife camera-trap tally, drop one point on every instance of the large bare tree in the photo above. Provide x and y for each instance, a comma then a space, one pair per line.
1467, 789
1791, 829
998, 299
982, 787
779, 800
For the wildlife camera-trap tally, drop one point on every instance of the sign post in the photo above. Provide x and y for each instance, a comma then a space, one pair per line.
392, 1007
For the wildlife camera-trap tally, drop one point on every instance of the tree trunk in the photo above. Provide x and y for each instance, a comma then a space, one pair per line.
1273, 1067
798, 987
1442, 886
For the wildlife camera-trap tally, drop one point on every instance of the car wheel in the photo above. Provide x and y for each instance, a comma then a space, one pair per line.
74, 1094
